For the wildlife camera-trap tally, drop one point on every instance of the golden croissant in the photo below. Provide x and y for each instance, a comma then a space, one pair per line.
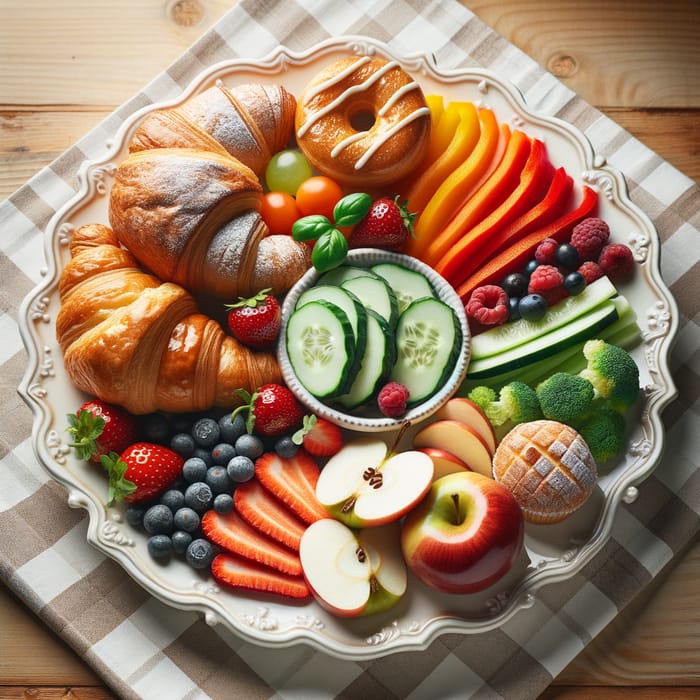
130, 339
186, 200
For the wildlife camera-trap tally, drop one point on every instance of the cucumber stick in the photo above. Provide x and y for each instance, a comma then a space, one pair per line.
546, 345
428, 341
321, 348
501, 339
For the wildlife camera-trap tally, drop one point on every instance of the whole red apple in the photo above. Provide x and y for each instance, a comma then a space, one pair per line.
465, 534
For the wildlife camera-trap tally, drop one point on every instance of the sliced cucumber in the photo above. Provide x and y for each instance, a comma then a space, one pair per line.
375, 294
545, 345
349, 303
408, 285
342, 273
379, 358
428, 342
502, 338
321, 348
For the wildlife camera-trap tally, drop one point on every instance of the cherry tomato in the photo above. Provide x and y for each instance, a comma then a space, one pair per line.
318, 195
279, 211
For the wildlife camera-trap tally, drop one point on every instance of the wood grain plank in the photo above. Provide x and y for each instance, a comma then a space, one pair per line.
611, 52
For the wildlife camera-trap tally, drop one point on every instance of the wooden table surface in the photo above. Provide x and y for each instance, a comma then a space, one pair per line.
66, 65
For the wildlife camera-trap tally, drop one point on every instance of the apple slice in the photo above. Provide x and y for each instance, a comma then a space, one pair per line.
353, 573
466, 411
444, 462
367, 484
459, 439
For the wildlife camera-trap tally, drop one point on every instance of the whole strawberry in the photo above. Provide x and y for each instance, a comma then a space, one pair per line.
142, 471
98, 428
272, 410
255, 321
387, 225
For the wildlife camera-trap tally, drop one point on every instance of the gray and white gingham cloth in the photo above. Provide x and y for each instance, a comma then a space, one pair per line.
142, 648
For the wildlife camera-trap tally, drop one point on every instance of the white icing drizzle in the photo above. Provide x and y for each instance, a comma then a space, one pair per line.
347, 141
380, 141
396, 97
337, 77
313, 118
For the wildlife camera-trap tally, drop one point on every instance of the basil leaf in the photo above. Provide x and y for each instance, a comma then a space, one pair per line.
329, 251
351, 209
310, 228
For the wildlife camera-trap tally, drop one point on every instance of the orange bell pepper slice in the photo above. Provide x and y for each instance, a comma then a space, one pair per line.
460, 146
473, 247
515, 257
461, 183
499, 185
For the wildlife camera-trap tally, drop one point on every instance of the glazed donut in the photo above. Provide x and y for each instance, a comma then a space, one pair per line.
363, 122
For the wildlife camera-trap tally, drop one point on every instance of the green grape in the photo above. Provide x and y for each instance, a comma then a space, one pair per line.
286, 171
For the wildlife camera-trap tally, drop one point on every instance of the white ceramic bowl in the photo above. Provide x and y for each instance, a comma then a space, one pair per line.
363, 419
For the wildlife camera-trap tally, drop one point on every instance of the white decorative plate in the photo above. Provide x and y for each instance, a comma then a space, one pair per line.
553, 553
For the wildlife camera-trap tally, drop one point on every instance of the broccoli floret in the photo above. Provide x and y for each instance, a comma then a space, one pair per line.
565, 397
516, 402
613, 373
604, 432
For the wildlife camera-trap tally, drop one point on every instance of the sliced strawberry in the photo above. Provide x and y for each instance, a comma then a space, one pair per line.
259, 508
319, 437
234, 534
230, 570
293, 481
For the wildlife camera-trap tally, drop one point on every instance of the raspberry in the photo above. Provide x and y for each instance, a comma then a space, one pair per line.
546, 252
488, 305
392, 399
548, 282
588, 237
591, 271
617, 262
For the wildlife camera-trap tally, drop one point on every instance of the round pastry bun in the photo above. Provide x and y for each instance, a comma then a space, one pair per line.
548, 467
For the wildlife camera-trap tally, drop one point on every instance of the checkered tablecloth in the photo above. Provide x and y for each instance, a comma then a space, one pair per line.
142, 648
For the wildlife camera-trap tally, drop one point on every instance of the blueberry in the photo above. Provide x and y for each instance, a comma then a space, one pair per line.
204, 455
532, 307
194, 469
231, 429
160, 546
186, 519
223, 503
155, 428
241, 469
134, 515
199, 554
223, 453
158, 520
173, 498
574, 283
181, 540
567, 256
218, 480
199, 496
249, 446
285, 448
183, 444
515, 284
206, 432
513, 308
530, 267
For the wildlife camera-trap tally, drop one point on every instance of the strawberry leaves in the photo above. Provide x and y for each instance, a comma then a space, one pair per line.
331, 246
85, 428
119, 487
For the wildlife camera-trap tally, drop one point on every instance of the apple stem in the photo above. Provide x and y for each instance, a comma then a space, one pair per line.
458, 515
404, 427
373, 584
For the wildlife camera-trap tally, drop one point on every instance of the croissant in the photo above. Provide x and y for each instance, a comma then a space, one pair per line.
186, 200
130, 339
251, 122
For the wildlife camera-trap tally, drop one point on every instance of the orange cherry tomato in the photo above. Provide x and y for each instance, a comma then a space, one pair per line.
279, 211
318, 195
